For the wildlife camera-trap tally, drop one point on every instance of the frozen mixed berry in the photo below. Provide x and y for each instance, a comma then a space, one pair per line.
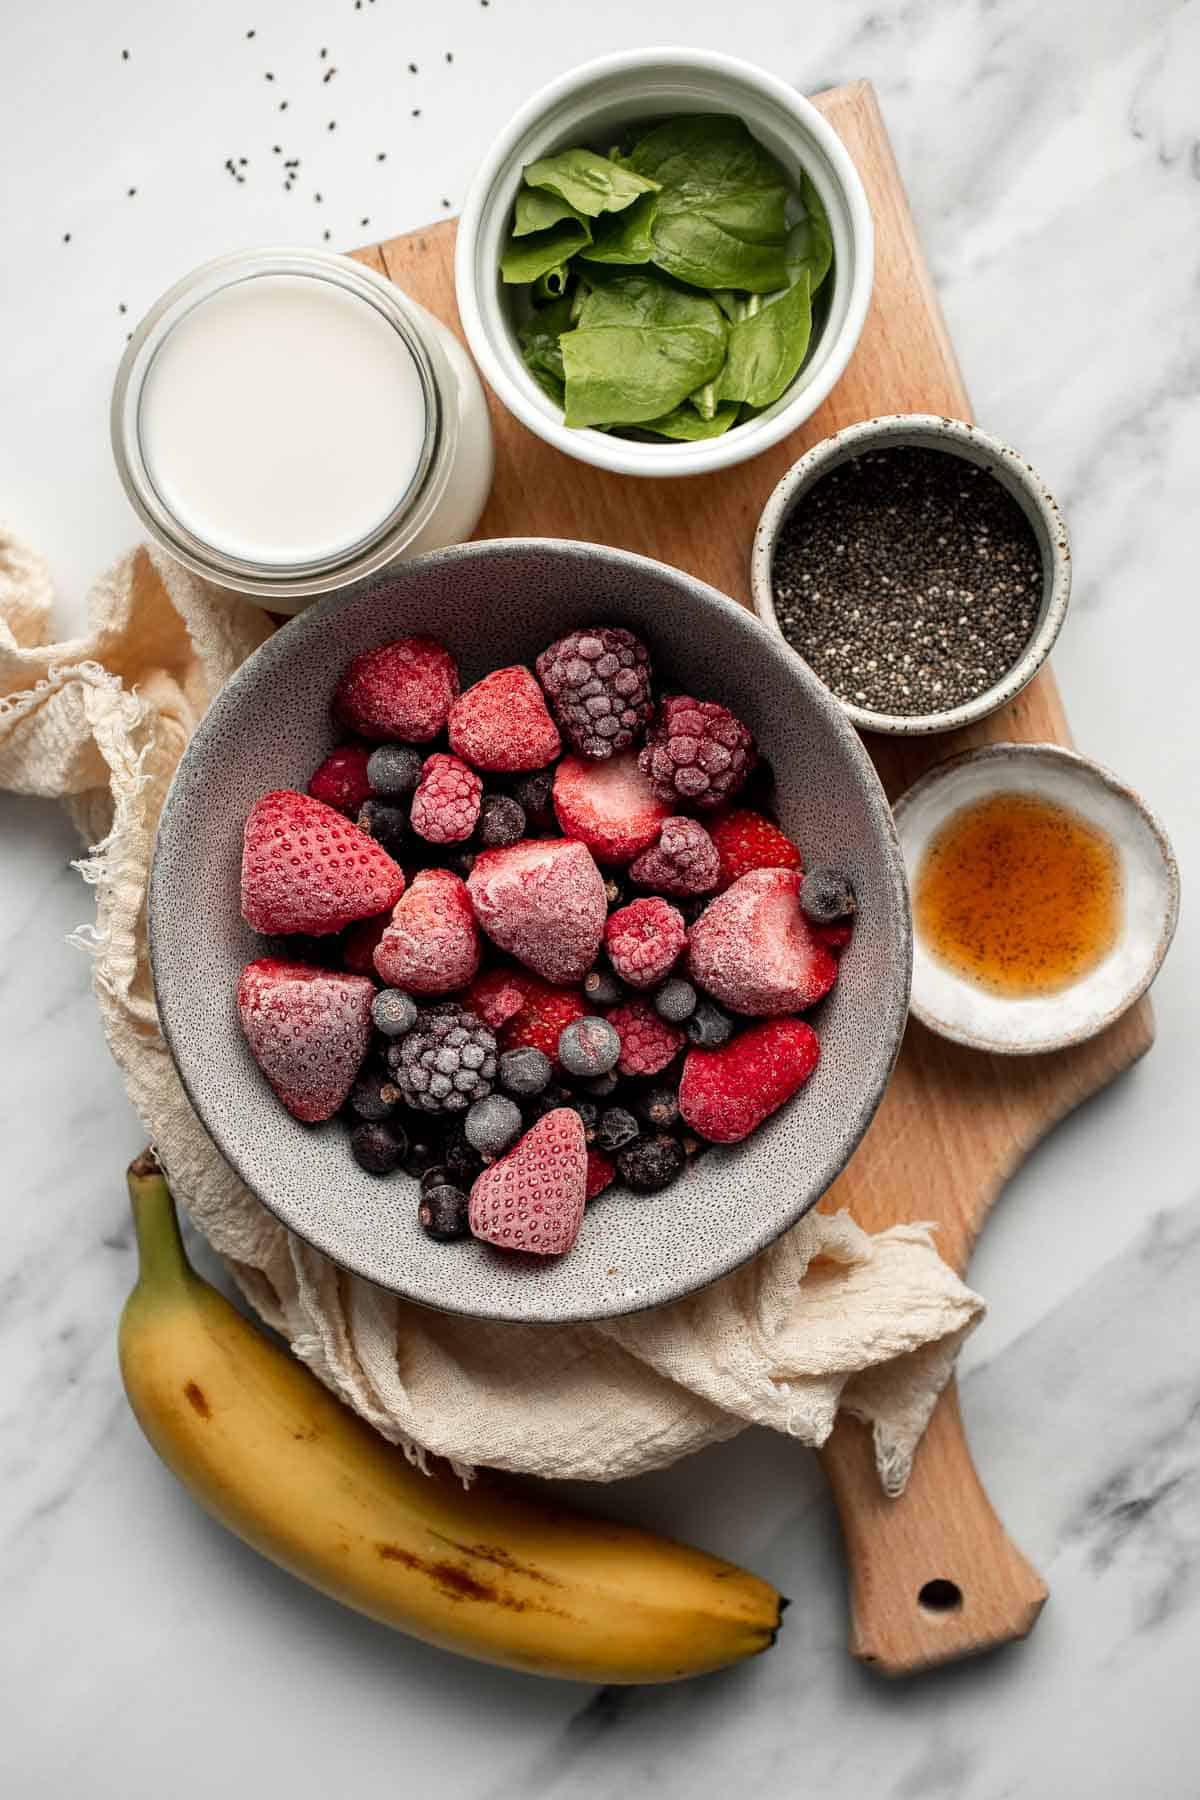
342, 781
675, 1000
445, 807
308, 1030
745, 840
444, 1213
437, 1175
501, 821
697, 752
374, 1094
755, 952
644, 940
387, 824
501, 724
648, 1043
306, 868
615, 1128
651, 1164
393, 771
432, 943
491, 1125
550, 1100
378, 1147
524, 1072
588, 1047
834, 937
602, 988
393, 1011
601, 1173
499, 993
658, 1106
463, 1161
542, 1015
447, 1061
601, 1087
589, 1116
542, 900
423, 1153
598, 682
726, 1093
535, 796
533, 1198
610, 806
708, 1027
359, 944
684, 861
401, 690
826, 896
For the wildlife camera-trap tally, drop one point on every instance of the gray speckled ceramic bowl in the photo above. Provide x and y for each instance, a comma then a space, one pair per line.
929, 431
497, 603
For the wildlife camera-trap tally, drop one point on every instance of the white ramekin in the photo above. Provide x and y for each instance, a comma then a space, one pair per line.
587, 106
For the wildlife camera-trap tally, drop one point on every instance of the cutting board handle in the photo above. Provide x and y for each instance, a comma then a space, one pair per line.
932, 1575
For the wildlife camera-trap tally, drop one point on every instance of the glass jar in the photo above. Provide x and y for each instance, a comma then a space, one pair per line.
285, 422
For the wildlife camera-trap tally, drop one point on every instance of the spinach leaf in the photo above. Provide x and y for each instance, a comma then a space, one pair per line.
537, 211
767, 347
554, 284
590, 183
526, 258
640, 348
686, 424
539, 337
624, 237
720, 220
809, 242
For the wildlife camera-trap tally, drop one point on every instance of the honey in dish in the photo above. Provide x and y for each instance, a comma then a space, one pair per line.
1019, 895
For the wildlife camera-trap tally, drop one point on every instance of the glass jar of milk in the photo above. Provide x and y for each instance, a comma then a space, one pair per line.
286, 421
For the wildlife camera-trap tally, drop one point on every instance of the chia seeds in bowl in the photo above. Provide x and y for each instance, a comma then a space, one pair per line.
918, 566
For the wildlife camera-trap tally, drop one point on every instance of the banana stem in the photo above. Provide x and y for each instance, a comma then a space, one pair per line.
162, 1260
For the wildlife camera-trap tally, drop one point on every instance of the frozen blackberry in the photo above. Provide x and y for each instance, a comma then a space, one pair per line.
675, 1000
598, 684
501, 821
374, 1094
826, 896
588, 1047
696, 753
378, 1147
651, 1164
424, 1153
602, 988
534, 794
393, 1012
388, 825
658, 1106
394, 771
615, 1128
446, 1062
708, 1027
463, 1161
444, 1213
491, 1125
524, 1072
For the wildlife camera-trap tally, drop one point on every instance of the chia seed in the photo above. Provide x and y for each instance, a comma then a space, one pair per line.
909, 580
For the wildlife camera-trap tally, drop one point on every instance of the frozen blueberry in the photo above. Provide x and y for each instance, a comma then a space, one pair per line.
708, 1026
444, 1213
588, 1047
388, 825
394, 771
394, 1012
826, 895
501, 821
492, 1124
602, 988
526, 1071
658, 1106
675, 1000
378, 1147
615, 1128
651, 1164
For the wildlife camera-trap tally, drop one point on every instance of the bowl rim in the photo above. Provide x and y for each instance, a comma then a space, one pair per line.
1090, 771
954, 436
619, 455
894, 1006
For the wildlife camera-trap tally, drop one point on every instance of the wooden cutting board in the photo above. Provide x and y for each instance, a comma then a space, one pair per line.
933, 1576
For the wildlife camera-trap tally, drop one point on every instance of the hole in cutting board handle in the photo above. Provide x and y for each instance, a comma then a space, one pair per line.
940, 1596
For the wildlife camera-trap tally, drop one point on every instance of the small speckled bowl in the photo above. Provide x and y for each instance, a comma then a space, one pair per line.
957, 1008
931, 432
494, 604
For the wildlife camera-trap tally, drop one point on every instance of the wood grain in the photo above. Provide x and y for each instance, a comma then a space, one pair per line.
954, 1124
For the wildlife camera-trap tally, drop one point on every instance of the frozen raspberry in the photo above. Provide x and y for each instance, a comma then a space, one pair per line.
598, 681
306, 868
745, 840
643, 940
647, 1042
401, 690
342, 781
754, 951
308, 1030
533, 1198
502, 724
696, 752
446, 804
684, 861
608, 806
498, 994
432, 943
542, 900
726, 1093
446, 1062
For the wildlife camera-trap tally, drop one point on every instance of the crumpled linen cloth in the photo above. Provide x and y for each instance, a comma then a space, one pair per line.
828, 1317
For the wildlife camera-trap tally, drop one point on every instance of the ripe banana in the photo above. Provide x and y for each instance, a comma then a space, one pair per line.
276, 1458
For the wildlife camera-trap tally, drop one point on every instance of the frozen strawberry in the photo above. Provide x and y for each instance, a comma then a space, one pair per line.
402, 690
684, 861
498, 994
754, 951
358, 945
305, 868
647, 1042
445, 807
643, 940
601, 1173
432, 943
341, 781
834, 937
543, 901
308, 1031
609, 806
725, 1093
746, 841
533, 1198
543, 1016
502, 724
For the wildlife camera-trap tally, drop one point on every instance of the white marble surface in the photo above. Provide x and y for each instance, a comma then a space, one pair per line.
1053, 157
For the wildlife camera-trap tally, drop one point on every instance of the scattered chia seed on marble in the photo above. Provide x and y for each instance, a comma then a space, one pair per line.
909, 579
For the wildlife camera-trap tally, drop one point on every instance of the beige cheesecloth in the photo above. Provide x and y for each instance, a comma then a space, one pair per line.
828, 1317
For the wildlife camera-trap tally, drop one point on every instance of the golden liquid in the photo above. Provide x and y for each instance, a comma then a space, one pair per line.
1019, 895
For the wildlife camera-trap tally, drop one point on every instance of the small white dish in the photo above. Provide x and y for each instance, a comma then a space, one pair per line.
588, 105
959, 1009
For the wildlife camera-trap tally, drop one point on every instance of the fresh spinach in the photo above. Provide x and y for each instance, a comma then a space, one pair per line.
623, 237
686, 424
640, 348
537, 211
721, 218
767, 348
527, 258
591, 184
809, 242
539, 337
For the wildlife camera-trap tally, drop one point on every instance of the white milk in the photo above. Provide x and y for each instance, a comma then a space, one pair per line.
282, 419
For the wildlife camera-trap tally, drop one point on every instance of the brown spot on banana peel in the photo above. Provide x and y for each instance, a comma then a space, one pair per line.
457, 1583
195, 1396
495, 1553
